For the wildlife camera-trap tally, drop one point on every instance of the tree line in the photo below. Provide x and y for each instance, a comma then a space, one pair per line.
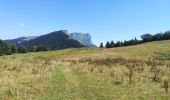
9, 49
144, 38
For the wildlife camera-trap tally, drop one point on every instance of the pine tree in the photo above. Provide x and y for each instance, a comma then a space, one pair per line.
112, 44
101, 45
108, 45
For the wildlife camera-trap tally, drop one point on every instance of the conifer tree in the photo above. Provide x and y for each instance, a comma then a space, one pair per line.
101, 45
108, 45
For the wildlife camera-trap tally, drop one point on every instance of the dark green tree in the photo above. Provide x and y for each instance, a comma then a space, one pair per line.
33, 49
4, 48
22, 49
13, 48
166, 35
147, 37
101, 45
125, 43
108, 45
118, 44
158, 36
8, 50
41, 48
112, 44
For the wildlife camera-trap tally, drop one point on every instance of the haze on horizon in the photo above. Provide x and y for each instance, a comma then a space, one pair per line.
103, 19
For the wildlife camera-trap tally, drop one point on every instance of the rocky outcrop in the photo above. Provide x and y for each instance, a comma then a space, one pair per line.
83, 38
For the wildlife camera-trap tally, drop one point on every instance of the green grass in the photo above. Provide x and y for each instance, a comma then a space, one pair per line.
87, 74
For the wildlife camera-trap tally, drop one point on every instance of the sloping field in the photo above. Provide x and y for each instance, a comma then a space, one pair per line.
140, 72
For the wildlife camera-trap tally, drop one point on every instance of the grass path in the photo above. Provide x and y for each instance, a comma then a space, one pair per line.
68, 84
65, 86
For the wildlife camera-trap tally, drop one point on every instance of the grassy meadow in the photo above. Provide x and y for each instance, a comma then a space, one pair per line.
140, 72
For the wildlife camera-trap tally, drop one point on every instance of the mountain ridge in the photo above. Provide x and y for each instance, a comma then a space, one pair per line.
54, 41
83, 38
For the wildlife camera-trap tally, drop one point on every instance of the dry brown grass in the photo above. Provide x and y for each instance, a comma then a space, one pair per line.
88, 74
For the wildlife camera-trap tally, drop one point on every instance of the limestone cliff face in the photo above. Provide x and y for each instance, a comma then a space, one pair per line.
83, 38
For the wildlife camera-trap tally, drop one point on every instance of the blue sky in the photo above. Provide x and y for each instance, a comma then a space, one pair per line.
103, 19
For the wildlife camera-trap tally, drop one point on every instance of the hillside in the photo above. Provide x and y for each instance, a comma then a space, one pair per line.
135, 73
83, 38
20, 40
54, 41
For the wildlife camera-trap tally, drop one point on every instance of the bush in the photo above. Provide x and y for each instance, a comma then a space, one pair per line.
41, 48
13, 49
4, 48
22, 49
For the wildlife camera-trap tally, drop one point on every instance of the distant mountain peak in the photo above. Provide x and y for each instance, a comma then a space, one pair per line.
56, 38
54, 41
83, 38
21, 39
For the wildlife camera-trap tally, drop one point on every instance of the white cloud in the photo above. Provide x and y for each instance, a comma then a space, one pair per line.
21, 24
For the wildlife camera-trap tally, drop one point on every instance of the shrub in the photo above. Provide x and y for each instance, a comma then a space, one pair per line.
156, 72
166, 86
131, 71
41, 48
22, 49
13, 49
